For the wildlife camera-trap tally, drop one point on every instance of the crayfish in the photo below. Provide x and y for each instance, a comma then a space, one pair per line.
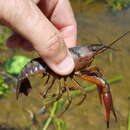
83, 57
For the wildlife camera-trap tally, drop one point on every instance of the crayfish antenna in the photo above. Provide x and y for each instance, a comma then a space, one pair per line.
113, 42
99, 40
24, 87
104, 48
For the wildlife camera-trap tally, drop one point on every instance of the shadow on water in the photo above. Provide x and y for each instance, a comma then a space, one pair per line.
93, 20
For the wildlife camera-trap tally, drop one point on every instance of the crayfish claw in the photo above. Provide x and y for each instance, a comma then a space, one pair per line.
108, 103
114, 113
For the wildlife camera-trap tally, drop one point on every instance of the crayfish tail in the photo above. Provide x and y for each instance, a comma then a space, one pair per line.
24, 87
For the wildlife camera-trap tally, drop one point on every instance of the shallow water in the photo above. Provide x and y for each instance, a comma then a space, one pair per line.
99, 21
93, 20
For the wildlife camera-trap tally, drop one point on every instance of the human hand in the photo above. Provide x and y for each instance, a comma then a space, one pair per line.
48, 26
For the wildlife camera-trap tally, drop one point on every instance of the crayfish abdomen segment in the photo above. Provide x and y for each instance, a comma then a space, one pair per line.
34, 66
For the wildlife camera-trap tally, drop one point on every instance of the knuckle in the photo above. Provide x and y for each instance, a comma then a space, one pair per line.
54, 45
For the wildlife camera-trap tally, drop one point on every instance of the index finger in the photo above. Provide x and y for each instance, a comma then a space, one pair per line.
61, 15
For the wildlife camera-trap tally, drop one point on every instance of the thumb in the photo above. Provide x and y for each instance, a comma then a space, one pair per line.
25, 17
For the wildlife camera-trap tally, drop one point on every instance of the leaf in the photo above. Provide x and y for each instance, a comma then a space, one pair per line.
4, 89
60, 105
59, 124
15, 64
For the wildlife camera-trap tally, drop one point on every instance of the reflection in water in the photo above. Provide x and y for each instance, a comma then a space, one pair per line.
93, 20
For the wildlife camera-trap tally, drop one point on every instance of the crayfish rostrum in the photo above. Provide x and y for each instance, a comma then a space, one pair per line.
83, 56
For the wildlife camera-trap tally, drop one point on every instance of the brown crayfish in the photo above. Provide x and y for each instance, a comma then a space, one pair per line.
83, 56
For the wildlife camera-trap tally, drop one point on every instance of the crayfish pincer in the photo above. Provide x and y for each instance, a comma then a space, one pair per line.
83, 57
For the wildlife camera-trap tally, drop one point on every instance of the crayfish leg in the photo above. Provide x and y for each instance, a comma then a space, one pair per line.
78, 87
58, 96
24, 87
93, 70
105, 93
44, 93
48, 77
69, 98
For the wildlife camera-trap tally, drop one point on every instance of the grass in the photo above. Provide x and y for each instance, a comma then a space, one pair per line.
4, 34
114, 4
118, 4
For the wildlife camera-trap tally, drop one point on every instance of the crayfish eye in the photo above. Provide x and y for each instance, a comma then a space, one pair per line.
94, 48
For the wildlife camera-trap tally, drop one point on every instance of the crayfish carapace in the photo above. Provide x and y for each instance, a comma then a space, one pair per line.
83, 56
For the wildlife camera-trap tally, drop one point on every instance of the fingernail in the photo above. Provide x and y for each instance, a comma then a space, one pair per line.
66, 66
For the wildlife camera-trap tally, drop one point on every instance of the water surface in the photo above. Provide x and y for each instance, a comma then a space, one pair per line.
93, 21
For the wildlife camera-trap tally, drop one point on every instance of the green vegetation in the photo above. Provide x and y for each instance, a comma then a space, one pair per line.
58, 123
4, 88
114, 4
118, 4
4, 35
15, 64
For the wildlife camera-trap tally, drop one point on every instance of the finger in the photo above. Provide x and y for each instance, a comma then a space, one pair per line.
66, 22
70, 35
61, 15
35, 27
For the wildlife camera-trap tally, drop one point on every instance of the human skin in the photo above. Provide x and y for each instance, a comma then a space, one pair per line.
47, 26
